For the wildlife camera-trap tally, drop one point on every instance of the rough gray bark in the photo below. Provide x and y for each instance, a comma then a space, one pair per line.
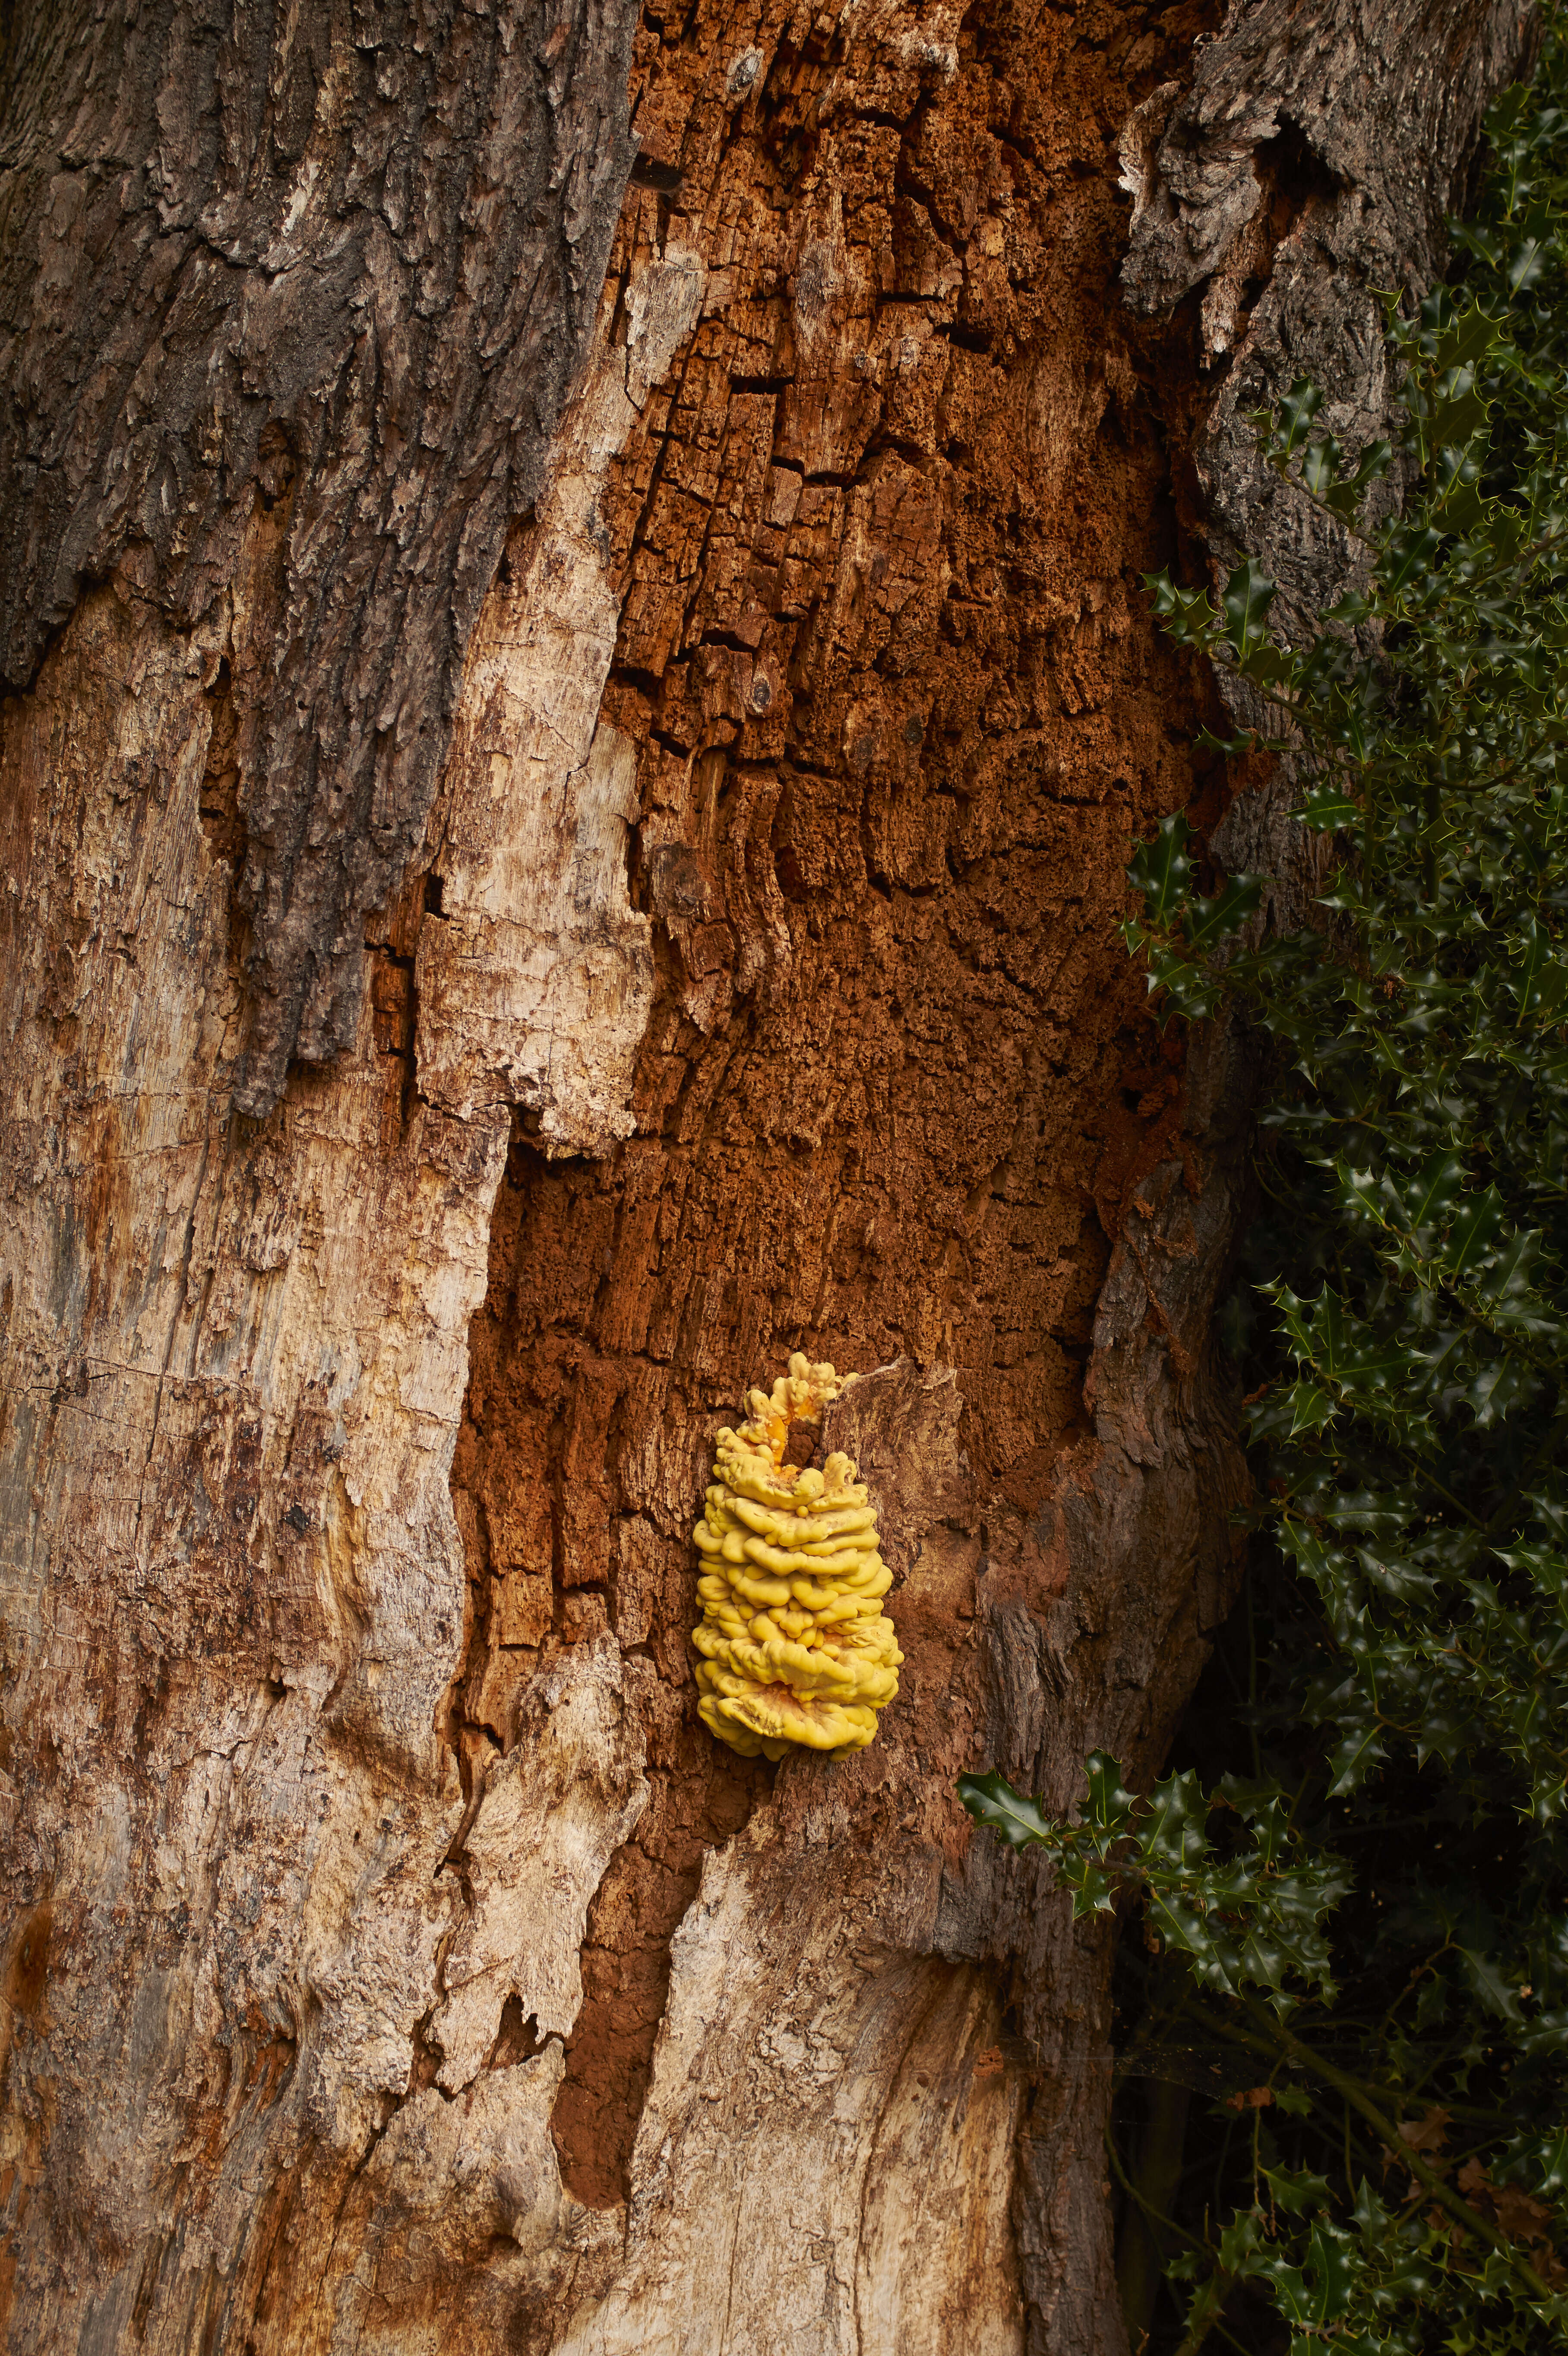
340, 262
390, 1961
1309, 169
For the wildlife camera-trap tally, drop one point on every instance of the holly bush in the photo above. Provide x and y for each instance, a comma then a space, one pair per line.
1355, 1932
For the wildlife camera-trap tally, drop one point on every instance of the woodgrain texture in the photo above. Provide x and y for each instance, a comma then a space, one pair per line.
392, 1962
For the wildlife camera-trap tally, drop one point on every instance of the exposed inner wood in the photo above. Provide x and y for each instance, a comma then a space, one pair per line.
898, 708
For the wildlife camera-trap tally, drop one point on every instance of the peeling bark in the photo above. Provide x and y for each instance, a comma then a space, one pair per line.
393, 1959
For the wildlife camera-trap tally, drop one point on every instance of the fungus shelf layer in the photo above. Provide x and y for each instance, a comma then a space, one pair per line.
796, 1651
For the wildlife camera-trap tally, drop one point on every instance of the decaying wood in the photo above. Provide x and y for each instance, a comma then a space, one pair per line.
393, 1958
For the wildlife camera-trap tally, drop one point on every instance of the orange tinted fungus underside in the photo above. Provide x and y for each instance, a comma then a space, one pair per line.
798, 1653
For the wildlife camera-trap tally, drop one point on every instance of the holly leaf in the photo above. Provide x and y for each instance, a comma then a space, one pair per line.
991, 1800
1345, 497
1206, 923
1473, 1231
1407, 559
1161, 869
1110, 1804
1538, 983
1353, 1757
1320, 467
1328, 2275
1429, 1195
1494, 1989
1187, 615
1327, 807
1532, 256
1233, 747
1249, 594
1297, 408
1311, 1406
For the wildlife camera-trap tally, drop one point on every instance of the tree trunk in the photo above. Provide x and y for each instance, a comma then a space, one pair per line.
579, 698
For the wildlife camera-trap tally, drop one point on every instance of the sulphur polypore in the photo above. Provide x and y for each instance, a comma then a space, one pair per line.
795, 1650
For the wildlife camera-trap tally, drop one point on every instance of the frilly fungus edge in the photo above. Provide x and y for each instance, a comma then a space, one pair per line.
797, 1652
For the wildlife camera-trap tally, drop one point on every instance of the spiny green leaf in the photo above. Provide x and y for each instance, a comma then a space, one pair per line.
1329, 2273
1187, 615
1428, 1198
1110, 1806
1489, 1984
1320, 466
1358, 1751
1206, 923
992, 1800
1311, 1406
1249, 594
1346, 494
1327, 807
1406, 563
1161, 869
1474, 1229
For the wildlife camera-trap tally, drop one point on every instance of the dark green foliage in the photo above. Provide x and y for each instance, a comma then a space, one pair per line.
1366, 1929
1245, 1914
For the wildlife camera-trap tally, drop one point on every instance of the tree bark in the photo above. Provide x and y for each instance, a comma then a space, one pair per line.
580, 696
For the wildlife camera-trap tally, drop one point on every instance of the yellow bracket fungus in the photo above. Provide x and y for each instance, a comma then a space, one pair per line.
796, 1653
